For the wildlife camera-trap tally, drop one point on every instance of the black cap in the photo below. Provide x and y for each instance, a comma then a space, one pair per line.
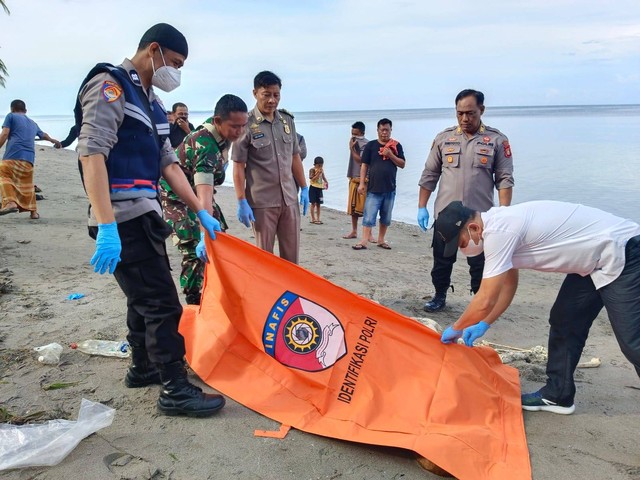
449, 223
168, 37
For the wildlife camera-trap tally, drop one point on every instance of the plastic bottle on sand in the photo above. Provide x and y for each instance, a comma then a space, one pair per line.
106, 348
49, 354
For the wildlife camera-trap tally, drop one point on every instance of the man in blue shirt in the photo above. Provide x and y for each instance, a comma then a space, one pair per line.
16, 168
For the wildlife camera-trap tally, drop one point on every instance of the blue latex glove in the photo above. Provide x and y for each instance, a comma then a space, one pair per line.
474, 332
304, 199
108, 248
201, 250
423, 218
210, 224
245, 214
451, 335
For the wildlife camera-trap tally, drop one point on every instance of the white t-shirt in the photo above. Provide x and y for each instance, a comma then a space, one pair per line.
556, 237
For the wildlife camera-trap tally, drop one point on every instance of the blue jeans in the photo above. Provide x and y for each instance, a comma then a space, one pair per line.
575, 309
378, 202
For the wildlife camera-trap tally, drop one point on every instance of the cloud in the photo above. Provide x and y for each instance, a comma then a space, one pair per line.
340, 54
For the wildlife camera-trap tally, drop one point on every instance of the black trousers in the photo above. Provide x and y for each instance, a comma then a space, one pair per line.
144, 275
576, 307
443, 266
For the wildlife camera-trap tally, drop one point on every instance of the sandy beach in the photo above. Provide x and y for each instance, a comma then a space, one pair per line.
43, 261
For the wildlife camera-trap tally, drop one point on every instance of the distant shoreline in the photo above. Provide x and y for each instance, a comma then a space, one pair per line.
556, 109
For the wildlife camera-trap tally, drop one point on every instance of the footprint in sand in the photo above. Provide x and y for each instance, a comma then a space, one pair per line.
128, 466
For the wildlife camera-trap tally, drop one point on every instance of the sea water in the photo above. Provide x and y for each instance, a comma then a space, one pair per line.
580, 154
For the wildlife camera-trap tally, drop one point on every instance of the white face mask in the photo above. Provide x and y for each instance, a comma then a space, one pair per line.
473, 249
165, 78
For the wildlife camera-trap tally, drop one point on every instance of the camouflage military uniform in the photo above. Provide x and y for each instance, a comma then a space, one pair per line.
203, 158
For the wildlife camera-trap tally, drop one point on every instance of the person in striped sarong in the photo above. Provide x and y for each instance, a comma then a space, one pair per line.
16, 167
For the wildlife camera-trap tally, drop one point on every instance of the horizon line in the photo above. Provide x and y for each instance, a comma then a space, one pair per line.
414, 108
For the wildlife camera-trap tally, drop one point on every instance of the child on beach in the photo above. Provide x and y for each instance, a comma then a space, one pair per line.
318, 183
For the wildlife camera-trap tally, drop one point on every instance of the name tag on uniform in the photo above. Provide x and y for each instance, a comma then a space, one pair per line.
256, 136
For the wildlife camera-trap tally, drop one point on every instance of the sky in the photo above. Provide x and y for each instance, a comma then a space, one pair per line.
337, 54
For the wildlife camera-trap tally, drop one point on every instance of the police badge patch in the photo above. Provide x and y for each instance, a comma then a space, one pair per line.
111, 91
302, 334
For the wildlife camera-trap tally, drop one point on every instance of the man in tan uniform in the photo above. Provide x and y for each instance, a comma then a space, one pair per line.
468, 161
267, 167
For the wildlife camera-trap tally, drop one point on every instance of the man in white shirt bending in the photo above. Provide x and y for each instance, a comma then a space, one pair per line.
599, 252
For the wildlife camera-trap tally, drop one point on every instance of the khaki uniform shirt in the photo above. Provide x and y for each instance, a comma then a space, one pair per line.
267, 149
98, 134
468, 169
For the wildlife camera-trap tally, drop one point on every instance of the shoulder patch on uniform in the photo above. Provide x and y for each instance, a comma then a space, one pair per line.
284, 110
507, 148
111, 91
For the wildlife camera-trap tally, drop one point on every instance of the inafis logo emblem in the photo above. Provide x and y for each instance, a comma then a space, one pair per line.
301, 334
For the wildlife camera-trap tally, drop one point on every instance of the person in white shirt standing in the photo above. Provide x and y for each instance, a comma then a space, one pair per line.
599, 252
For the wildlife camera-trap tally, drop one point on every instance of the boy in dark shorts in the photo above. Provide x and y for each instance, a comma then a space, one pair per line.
318, 182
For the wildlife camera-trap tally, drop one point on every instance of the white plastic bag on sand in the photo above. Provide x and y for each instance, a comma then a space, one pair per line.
49, 354
48, 443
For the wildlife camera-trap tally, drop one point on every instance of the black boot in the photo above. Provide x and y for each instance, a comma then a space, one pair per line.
179, 397
437, 303
142, 372
193, 298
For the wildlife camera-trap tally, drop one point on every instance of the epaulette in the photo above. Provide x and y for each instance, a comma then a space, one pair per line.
284, 110
493, 129
447, 131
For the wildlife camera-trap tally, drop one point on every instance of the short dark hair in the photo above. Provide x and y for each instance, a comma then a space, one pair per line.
177, 105
266, 79
385, 121
18, 106
227, 104
318, 161
358, 126
169, 111
479, 96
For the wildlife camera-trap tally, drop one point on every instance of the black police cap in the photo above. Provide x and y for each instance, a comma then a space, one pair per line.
449, 224
166, 36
